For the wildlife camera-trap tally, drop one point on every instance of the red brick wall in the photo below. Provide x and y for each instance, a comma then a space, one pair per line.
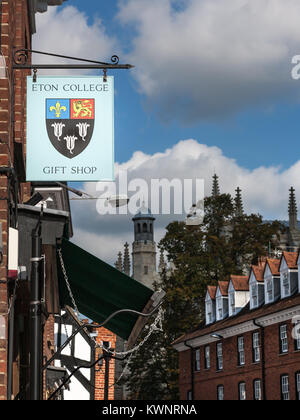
207, 381
14, 31
48, 346
105, 335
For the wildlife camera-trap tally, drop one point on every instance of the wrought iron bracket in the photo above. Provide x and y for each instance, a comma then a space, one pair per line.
21, 57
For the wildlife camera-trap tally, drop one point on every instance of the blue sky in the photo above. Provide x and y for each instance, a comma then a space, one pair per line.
255, 136
211, 91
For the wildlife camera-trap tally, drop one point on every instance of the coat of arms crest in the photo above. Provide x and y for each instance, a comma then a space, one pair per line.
70, 124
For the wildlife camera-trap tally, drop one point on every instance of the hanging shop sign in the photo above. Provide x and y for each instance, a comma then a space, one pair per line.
70, 129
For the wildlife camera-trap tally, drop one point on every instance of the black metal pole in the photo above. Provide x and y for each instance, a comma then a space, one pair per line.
36, 339
192, 369
10, 347
263, 359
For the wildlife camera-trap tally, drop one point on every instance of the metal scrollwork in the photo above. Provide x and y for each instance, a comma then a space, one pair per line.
115, 59
20, 57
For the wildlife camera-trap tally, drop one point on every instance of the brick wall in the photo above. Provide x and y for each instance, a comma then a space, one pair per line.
105, 335
48, 346
14, 33
207, 381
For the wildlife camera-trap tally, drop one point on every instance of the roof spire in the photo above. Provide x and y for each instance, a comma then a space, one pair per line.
215, 187
238, 203
293, 210
126, 263
118, 263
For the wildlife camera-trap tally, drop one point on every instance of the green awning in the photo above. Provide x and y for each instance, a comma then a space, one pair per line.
99, 289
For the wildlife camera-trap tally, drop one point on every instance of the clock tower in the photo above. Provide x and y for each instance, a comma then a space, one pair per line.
144, 248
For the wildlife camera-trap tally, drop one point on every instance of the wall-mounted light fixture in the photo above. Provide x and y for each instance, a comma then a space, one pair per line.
217, 336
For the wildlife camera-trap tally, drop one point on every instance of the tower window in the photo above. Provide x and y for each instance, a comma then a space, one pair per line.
151, 228
145, 230
145, 269
139, 228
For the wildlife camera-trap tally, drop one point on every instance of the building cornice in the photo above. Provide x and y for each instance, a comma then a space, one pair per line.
242, 328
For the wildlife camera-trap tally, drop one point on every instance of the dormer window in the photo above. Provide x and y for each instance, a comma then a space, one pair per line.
232, 303
288, 274
285, 284
238, 294
270, 294
257, 287
272, 281
222, 300
210, 305
209, 312
254, 296
220, 308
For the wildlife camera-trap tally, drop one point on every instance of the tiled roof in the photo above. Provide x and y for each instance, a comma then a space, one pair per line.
258, 271
212, 290
223, 286
291, 259
245, 315
273, 265
240, 283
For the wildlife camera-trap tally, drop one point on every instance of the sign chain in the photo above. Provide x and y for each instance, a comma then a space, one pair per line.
156, 326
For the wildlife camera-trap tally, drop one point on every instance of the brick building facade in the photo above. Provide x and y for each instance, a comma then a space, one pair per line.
17, 24
253, 354
15, 32
109, 339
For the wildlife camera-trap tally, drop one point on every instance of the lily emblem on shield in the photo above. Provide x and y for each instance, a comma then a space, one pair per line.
72, 120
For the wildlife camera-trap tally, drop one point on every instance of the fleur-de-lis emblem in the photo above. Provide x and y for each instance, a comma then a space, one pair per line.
70, 143
58, 129
83, 128
58, 109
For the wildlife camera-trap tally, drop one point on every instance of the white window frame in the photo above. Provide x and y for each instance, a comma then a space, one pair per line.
297, 326
257, 390
209, 312
232, 302
298, 385
220, 309
242, 391
269, 283
284, 344
197, 360
254, 297
241, 351
207, 357
220, 364
256, 347
220, 392
286, 287
285, 387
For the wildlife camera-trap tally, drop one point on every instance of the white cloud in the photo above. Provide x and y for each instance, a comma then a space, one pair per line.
212, 58
66, 31
265, 190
